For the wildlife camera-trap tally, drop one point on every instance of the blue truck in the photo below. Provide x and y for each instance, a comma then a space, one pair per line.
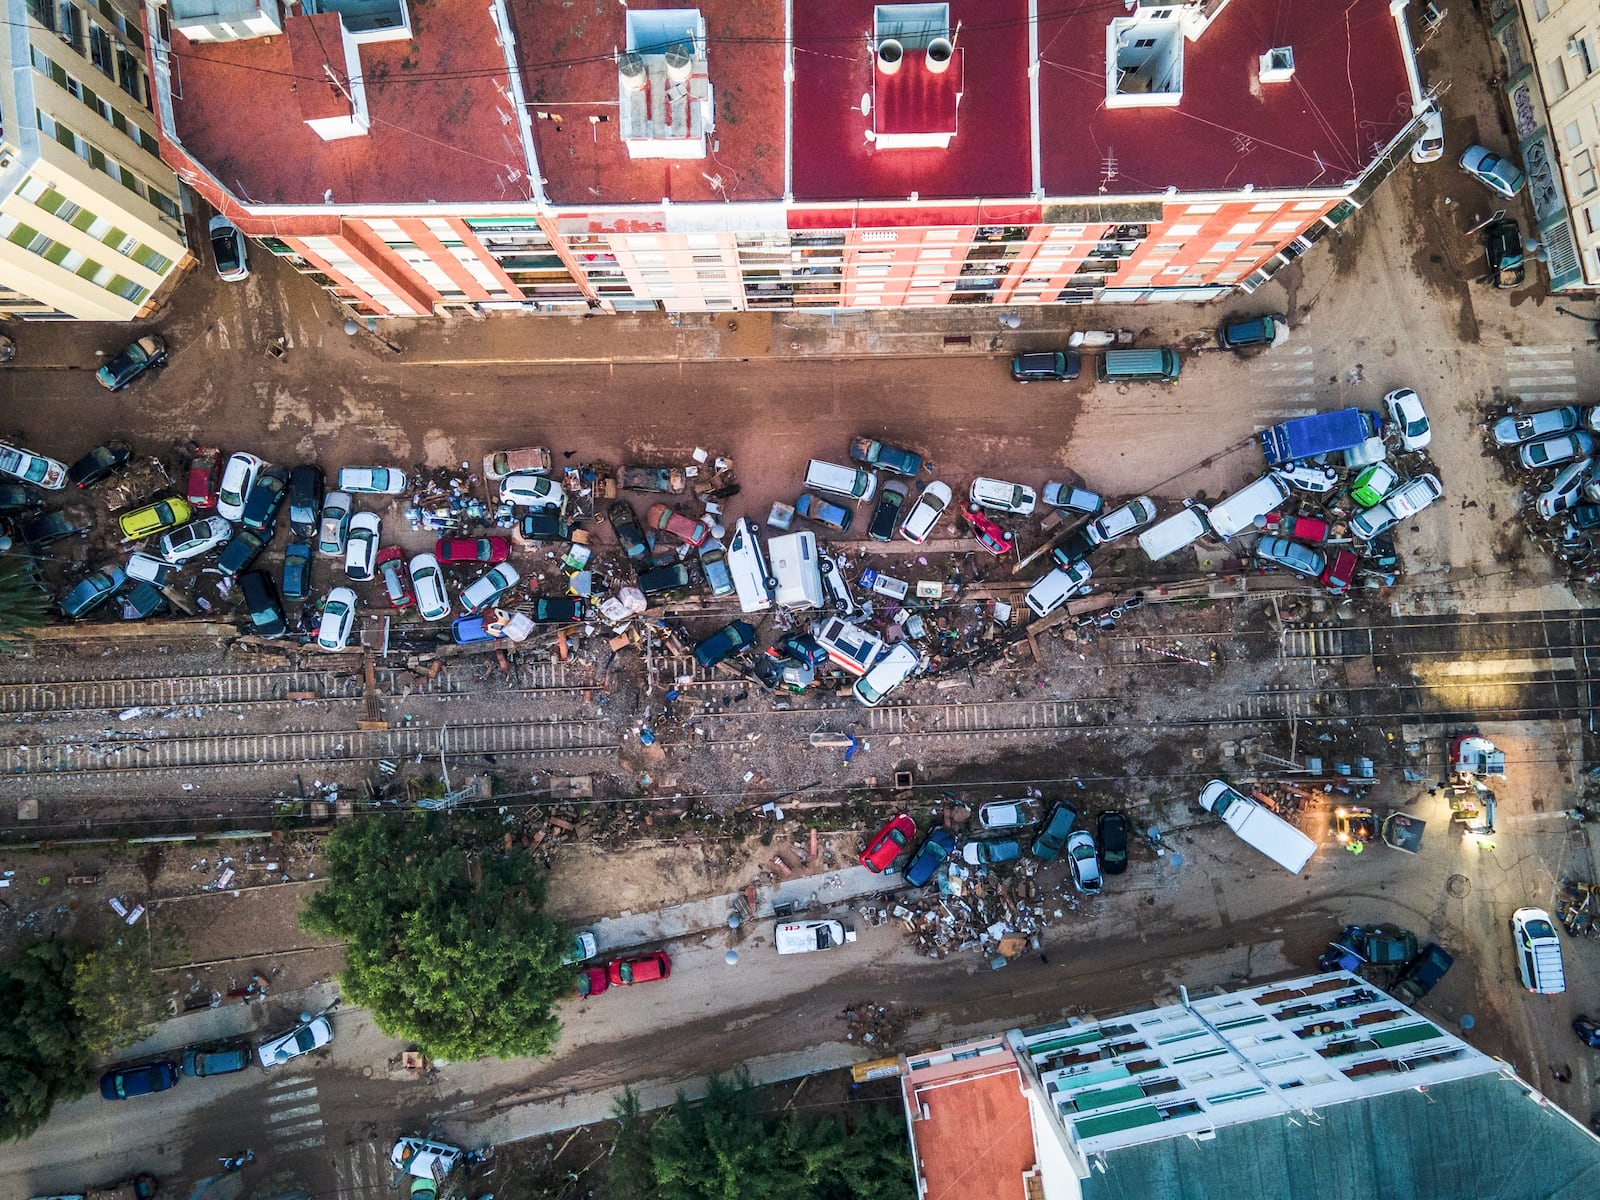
1320, 433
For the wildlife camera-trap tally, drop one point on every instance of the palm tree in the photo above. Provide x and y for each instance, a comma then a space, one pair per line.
24, 604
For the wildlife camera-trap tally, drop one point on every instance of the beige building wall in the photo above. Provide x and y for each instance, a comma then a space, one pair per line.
1565, 40
90, 224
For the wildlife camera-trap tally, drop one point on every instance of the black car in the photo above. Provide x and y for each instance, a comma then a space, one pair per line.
15, 497
262, 604
1584, 516
1075, 548
660, 581
140, 600
1244, 332
628, 531
804, 648
265, 498
546, 525
1113, 830
548, 609
886, 514
242, 550
98, 464
305, 499
1502, 247
1045, 366
143, 355
53, 526
296, 570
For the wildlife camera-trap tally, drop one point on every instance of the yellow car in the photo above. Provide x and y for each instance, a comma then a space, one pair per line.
153, 518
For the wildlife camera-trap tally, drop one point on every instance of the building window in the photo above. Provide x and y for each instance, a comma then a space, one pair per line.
1556, 72
1245, 227
1573, 134
100, 51
1183, 230
1541, 9
1583, 172
1269, 206
71, 27
1195, 210
1585, 55
128, 75
1223, 247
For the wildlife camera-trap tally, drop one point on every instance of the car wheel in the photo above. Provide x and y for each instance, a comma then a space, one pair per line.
771, 582
840, 607
825, 566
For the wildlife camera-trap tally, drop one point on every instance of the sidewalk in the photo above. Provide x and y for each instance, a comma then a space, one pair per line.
232, 1019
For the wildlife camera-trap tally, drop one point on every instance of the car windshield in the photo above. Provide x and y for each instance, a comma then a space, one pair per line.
1540, 929
1419, 426
37, 470
225, 246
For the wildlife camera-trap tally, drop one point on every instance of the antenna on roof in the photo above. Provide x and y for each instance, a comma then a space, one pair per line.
1108, 167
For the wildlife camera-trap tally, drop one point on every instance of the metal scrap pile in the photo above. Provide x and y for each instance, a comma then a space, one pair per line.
443, 500
975, 908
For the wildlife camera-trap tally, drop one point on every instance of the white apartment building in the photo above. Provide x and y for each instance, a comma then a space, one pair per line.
90, 226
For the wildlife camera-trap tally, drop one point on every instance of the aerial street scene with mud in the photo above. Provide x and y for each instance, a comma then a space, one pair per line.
816, 599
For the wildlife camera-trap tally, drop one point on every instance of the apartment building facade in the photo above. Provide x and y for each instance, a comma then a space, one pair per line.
748, 154
1551, 51
90, 224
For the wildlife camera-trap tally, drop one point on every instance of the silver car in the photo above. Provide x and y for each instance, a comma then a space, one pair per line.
1555, 449
334, 526
1297, 556
361, 550
1135, 514
194, 539
1516, 428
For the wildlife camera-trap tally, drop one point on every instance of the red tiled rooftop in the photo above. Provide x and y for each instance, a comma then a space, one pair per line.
1349, 95
834, 62
977, 1140
435, 107
566, 49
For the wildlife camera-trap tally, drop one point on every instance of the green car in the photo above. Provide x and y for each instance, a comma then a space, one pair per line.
1373, 484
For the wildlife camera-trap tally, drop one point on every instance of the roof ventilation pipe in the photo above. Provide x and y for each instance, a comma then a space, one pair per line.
680, 63
939, 52
890, 54
631, 67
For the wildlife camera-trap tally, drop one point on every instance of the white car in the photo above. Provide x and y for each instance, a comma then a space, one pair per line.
302, 1039
1405, 410
1405, 501
925, 513
998, 495
32, 468
338, 619
1562, 492
427, 581
361, 549
1306, 478
1135, 514
1538, 949
194, 539
382, 481
488, 587
424, 1159
334, 525
1008, 814
532, 491
238, 477
1084, 860
228, 248
1430, 146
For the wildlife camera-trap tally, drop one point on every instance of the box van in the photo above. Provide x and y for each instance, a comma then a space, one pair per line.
1258, 826
794, 566
1138, 366
1538, 952
752, 580
841, 481
1056, 588
852, 647
1173, 534
801, 937
890, 672
1240, 510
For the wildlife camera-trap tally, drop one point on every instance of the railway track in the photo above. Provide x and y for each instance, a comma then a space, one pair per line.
252, 688
309, 749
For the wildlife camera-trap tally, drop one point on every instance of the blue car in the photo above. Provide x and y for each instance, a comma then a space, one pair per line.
824, 512
926, 861
886, 457
1052, 839
143, 1080
724, 644
470, 630
93, 590
242, 550
296, 570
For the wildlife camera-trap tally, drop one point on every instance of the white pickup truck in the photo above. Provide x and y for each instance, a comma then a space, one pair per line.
802, 937
1263, 829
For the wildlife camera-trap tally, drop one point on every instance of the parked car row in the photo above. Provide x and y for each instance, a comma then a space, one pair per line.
144, 1079
1089, 861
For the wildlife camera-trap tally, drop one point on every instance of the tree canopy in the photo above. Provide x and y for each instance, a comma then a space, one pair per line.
62, 1005
449, 946
725, 1148
24, 606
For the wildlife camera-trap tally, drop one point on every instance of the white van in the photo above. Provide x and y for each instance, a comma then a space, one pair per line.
841, 481
794, 562
888, 673
1258, 826
1240, 510
1168, 537
852, 647
1056, 588
1538, 952
751, 578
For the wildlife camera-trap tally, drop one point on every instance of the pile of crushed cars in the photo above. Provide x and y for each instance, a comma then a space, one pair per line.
1553, 451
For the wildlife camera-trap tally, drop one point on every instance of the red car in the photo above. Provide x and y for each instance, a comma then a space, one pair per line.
205, 470
988, 535
1337, 575
664, 516
489, 550
592, 981
623, 971
887, 844
391, 568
